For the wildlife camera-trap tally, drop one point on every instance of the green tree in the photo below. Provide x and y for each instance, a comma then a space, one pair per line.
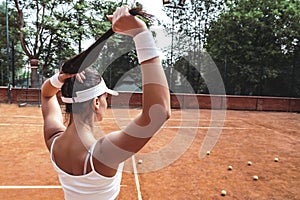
188, 29
16, 61
52, 30
256, 46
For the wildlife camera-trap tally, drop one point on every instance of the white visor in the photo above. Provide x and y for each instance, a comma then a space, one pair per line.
88, 94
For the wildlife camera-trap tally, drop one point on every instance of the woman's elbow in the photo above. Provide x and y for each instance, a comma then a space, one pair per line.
167, 112
159, 113
167, 108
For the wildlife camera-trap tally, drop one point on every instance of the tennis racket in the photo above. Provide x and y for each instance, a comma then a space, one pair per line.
85, 59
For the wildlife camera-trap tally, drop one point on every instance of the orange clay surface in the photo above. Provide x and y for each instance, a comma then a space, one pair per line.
258, 137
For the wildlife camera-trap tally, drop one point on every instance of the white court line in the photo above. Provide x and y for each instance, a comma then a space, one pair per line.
35, 186
31, 187
13, 124
111, 118
21, 116
185, 120
168, 127
206, 127
202, 127
136, 178
124, 118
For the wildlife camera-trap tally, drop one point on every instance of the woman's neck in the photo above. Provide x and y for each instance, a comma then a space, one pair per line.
83, 128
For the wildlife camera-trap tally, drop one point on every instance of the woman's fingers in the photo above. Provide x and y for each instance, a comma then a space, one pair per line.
109, 17
80, 76
124, 23
62, 77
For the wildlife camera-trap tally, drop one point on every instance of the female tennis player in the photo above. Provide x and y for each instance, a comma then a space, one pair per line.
90, 168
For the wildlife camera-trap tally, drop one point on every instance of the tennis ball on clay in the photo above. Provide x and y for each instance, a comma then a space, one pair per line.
223, 192
229, 167
249, 163
276, 159
140, 161
255, 178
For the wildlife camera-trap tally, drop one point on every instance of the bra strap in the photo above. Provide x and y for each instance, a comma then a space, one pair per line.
91, 153
51, 149
86, 162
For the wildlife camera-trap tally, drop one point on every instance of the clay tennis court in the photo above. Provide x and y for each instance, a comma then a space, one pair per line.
259, 137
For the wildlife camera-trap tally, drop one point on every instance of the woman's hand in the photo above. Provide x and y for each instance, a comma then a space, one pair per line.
79, 76
124, 23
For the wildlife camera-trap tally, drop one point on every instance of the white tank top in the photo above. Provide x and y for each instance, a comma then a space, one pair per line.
91, 186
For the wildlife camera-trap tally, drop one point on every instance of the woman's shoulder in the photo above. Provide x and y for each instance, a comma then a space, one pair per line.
49, 141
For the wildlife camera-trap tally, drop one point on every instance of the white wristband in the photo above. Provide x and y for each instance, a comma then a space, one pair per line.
55, 81
145, 46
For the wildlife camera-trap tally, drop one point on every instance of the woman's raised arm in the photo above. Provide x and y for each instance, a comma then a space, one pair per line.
118, 146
